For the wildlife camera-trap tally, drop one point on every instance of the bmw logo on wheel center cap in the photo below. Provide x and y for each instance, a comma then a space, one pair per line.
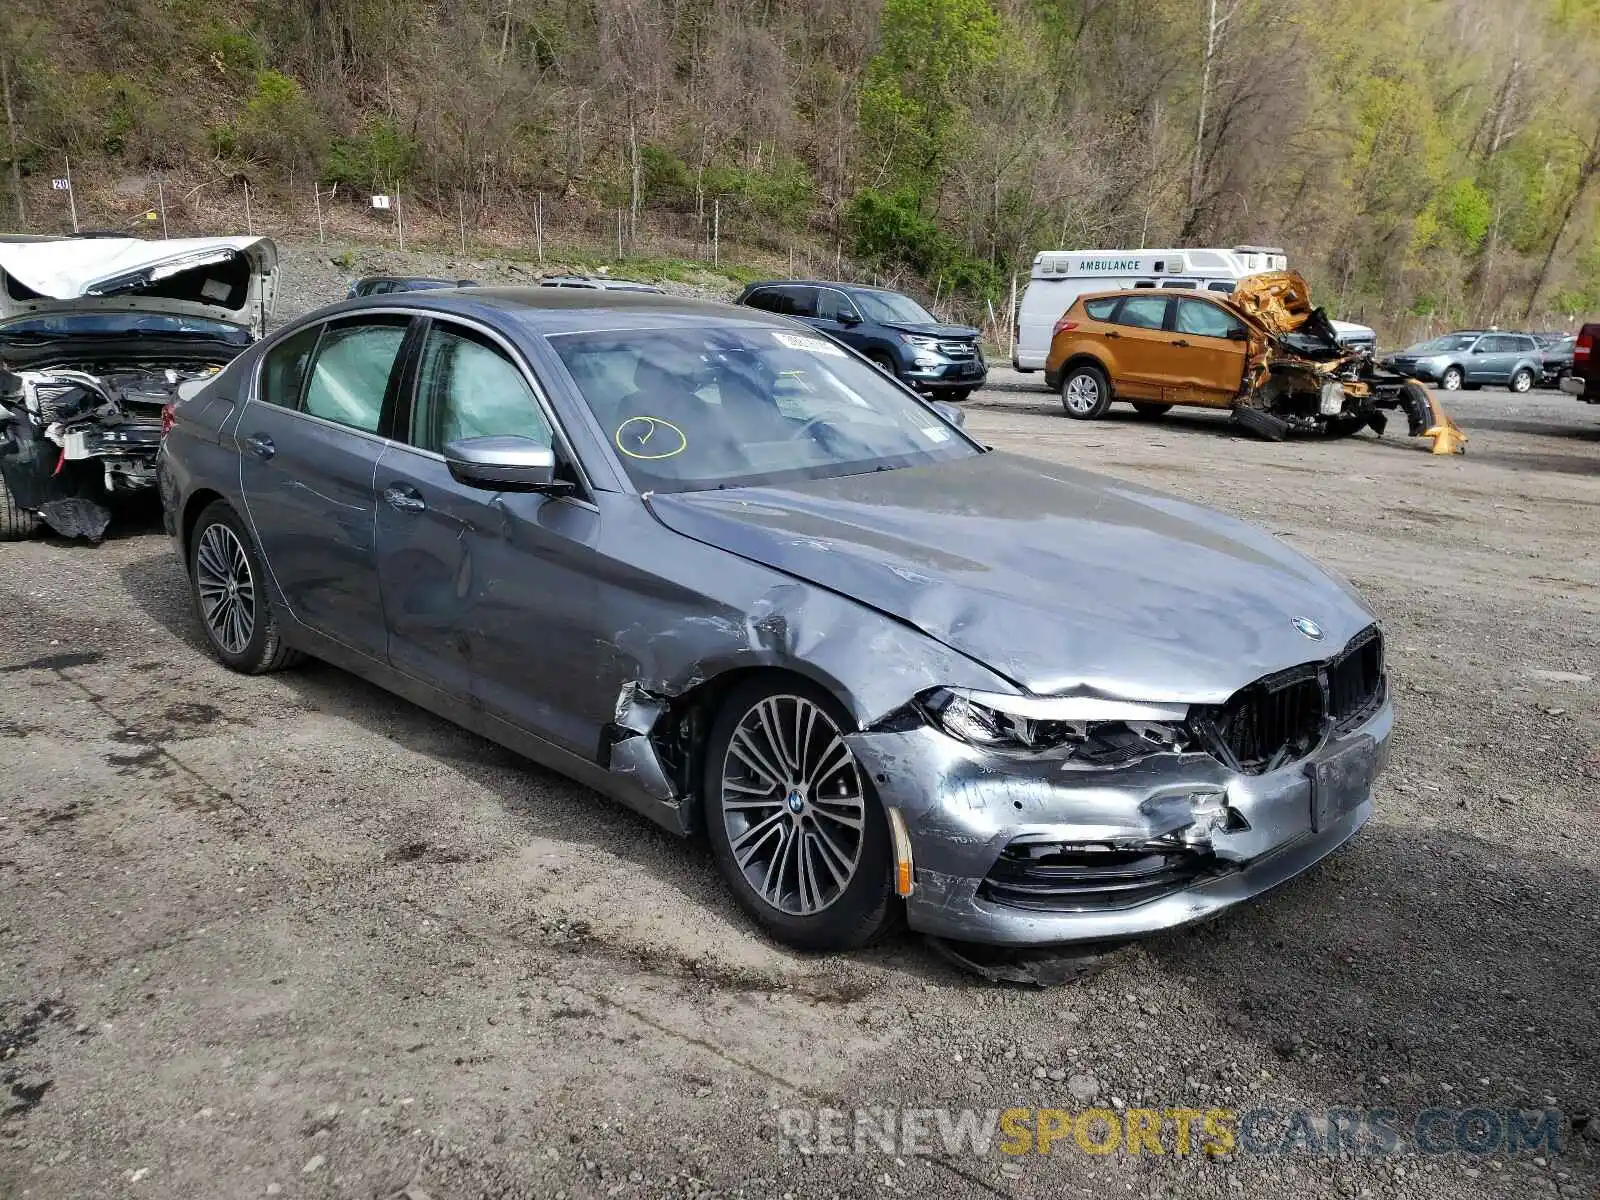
1308, 627
797, 803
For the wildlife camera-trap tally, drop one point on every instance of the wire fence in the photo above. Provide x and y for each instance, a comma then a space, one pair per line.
552, 231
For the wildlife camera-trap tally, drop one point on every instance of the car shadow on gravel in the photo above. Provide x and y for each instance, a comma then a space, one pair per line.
548, 803
1416, 968
1580, 431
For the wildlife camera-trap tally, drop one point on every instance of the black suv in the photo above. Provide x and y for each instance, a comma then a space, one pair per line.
892, 330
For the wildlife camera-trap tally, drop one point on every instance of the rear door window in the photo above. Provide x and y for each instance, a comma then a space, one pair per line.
802, 300
1100, 310
1143, 312
1204, 320
350, 372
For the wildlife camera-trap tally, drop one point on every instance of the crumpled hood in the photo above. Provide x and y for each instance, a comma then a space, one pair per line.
1279, 300
224, 278
1063, 581
955, 333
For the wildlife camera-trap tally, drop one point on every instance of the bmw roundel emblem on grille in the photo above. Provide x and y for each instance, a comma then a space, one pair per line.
1309, 627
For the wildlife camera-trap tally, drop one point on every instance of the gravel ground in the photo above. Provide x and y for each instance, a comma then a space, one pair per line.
292, 936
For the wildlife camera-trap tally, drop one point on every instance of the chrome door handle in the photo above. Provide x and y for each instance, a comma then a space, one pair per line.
1112, 333
261, 445
404, 498
1180, 342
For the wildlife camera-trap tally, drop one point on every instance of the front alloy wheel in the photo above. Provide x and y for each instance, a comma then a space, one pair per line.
1451, 380
792, 823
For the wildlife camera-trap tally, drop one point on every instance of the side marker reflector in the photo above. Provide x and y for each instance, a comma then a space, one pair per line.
901, 841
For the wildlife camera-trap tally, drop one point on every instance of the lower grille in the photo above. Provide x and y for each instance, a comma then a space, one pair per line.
1084, 877
1284, 717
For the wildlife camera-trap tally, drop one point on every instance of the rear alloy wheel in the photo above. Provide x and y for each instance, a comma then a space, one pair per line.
1085, 394
1152, 412
1521, 381
792, 822
226, 579
1451, 380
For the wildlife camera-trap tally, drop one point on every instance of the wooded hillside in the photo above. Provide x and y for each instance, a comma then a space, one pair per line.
1414, 156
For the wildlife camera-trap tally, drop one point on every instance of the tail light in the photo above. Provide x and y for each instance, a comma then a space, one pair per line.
1585, 343
1062, 326
169, 412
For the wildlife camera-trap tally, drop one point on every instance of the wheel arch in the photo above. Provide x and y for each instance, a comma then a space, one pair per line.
198, 501
682, 731
1084, 358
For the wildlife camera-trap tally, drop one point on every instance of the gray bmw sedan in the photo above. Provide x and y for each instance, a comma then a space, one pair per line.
722, 569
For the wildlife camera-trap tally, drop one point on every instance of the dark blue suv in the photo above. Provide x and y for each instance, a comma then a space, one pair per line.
892, 330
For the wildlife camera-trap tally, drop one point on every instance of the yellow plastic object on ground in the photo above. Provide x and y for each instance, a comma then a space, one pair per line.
1447, 436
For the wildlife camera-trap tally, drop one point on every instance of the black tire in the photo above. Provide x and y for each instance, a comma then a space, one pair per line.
1151, 412
883, 362
1451, 380
1342, 427
16, 524
264, 649
865, 908
1085, 392
1521, 381
955, 395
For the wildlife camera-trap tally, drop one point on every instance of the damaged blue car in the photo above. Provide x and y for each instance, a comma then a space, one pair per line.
728, 572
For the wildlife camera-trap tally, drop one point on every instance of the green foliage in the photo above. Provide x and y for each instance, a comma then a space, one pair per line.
665, 176
279, 123
912, 100
889, 229
780, 192
234, 55
1466, 211
379, 156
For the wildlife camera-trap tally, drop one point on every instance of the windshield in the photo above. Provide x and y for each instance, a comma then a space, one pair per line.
1449, 342
893, 309
120, 324
728, 406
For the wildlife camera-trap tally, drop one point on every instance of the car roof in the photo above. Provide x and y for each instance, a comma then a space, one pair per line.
827, 283
548, 311
1162, 293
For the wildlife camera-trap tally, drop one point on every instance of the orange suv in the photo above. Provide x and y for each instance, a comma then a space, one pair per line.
1263, 353
1151, 348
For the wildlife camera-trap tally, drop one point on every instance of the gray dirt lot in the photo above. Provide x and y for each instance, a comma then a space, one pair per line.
292, 936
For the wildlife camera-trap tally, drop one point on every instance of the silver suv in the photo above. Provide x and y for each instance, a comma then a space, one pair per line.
1471, 359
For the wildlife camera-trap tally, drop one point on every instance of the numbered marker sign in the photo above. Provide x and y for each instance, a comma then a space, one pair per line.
61, 185
380, 202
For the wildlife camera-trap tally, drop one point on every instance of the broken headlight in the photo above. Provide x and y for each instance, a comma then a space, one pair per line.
1086, 730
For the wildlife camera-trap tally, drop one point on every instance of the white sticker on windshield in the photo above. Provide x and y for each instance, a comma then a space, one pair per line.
936, 433
796, 341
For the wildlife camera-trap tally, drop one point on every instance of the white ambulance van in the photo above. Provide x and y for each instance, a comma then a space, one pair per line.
1060, 276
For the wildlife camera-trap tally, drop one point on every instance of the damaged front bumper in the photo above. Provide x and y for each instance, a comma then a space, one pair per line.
1008, 852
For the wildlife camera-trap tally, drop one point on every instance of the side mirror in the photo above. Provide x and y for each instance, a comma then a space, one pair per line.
848, 318
1238, 333
949, 412
504, 464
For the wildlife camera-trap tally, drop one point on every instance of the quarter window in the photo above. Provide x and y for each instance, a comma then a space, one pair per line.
1143, 312
1204, 320
283, 368
350, 373
1100, 310
467, 388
